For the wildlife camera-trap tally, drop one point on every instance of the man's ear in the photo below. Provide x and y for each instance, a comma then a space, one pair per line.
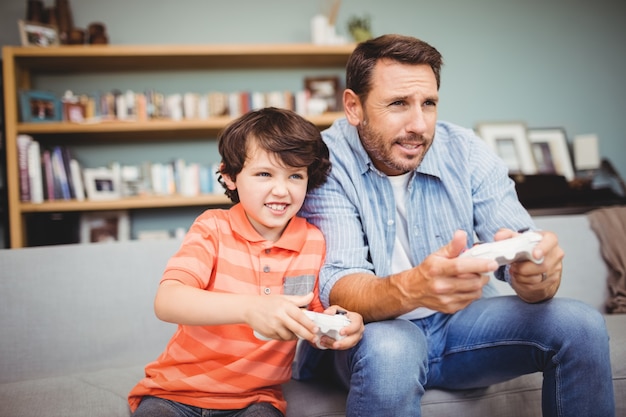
352, 107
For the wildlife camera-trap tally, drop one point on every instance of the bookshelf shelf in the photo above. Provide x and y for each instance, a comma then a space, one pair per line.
140, 129
126, 203
22, 66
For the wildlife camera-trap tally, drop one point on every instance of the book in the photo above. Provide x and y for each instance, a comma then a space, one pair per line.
77, 180
61, 183
23, 143
67, 157
34, 172
48, 175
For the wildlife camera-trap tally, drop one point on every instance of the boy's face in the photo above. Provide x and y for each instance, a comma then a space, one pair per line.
270, 193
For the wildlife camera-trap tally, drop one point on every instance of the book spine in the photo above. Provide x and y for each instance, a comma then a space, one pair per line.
23, 143
46, 159
60, 176
67, 157
77, 180
34, 173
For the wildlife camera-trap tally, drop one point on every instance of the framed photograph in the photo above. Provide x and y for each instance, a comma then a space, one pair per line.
510, 142
38, 34
326, 89
74, 112
101, 184
551, 152
39, 106
587, 152
104, 226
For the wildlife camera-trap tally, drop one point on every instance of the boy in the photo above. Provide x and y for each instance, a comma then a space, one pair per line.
247, 268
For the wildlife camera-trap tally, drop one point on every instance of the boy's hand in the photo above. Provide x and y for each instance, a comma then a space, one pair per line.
281, 318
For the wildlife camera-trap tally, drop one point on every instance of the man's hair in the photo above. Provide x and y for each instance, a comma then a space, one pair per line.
399, 48
295, 141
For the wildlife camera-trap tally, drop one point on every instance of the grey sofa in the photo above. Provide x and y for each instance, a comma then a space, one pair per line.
77, 327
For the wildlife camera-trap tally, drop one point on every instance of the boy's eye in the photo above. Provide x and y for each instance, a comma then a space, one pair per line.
264, 174
297, 176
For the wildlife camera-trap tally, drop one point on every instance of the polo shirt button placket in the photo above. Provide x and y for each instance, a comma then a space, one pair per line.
267, 290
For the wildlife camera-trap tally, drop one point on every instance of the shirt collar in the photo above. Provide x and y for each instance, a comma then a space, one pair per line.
293, 237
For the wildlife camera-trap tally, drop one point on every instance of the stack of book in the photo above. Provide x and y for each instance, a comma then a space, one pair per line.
131, 105
48, 174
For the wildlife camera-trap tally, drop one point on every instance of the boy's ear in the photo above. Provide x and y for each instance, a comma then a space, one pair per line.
230, 184
352, 107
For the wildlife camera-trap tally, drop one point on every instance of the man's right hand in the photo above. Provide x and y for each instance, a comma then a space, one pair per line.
443, 282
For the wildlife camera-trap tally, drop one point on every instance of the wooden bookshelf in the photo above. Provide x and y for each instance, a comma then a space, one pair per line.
21, 65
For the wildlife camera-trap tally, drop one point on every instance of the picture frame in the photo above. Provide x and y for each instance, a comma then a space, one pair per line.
101, 184
38, 34
39, 106
105, 226
551, 151
74, 112
510, 142
326, 89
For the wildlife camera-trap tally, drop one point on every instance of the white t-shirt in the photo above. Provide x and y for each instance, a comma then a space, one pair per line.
400, 259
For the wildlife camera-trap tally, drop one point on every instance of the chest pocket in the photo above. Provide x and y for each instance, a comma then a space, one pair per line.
300, 285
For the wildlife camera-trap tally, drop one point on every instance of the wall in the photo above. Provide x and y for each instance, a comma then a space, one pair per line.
552, 63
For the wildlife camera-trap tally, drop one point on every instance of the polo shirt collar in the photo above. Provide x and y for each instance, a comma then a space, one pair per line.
293, 237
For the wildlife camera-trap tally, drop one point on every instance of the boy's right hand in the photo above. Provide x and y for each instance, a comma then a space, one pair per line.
280, 317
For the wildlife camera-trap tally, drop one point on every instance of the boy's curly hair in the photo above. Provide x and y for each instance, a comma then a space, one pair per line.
293, 139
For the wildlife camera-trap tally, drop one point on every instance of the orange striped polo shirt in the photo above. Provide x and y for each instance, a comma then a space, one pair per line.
227, 367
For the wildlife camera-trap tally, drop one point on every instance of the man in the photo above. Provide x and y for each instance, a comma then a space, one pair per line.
407, 194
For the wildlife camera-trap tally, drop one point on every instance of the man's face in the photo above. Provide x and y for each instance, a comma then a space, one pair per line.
399, 116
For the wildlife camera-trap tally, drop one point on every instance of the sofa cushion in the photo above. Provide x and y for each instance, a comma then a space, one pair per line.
98, 394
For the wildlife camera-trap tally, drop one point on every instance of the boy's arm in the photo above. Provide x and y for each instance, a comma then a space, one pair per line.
278, 316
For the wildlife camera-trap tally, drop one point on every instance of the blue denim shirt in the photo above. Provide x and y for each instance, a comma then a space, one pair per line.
460, 184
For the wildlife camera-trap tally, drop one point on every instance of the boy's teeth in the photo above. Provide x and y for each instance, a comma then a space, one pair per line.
277, 206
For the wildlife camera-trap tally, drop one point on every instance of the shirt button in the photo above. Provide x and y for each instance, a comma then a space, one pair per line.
390, 222
266, 269
267, 291
267, 251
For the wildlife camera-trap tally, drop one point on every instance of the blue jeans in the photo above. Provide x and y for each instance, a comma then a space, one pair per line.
490, 341
154, 406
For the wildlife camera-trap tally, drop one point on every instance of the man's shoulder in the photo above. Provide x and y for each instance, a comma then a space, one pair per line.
450, 131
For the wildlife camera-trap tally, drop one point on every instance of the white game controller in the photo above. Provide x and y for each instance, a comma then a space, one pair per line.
329, 325
507, 251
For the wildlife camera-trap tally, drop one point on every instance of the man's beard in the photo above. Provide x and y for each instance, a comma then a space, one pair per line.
381, 151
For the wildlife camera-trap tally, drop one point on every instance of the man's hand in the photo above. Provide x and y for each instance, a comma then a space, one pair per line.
537, 282
352, 333
443, 282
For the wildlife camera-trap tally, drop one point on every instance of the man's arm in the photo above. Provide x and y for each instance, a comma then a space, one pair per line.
442, 283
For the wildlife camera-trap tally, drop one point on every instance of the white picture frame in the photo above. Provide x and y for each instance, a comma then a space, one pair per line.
101, 184
550, 145
510, 142
104, 226
38, 34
